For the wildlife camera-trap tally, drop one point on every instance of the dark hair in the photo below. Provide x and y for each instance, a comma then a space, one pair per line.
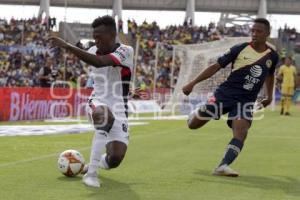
107, 21
263, 21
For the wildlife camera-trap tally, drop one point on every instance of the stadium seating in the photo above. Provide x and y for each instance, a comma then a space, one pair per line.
23, 52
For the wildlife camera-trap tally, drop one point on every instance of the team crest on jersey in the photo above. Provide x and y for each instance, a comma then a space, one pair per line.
269, 63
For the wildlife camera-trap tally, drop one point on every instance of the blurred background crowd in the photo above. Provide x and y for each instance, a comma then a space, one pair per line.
26, 59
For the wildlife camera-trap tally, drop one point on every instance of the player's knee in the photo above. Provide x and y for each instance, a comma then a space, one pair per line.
240, 132
195, 123
192, 125
242, 129
114, 160
103, 118
192, 120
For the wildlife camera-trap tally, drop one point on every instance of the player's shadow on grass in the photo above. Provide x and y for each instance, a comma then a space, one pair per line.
69, 179
114, 190
109, 190
289, 185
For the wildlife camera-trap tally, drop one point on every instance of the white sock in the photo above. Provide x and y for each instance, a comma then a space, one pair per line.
99, 142
103, 164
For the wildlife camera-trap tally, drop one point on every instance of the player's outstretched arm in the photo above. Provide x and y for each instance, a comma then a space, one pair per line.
269, 86
91, 59
205, 74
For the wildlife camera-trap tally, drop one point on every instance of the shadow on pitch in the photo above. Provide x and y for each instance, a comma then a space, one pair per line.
288, 185
112, 189
69, 179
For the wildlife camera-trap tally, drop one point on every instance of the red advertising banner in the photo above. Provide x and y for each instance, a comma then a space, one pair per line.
41, 103
47, 103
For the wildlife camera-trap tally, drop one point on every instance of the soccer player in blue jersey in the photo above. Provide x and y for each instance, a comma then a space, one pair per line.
253, 64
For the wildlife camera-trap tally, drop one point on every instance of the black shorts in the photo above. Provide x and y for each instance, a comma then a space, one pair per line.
219, 105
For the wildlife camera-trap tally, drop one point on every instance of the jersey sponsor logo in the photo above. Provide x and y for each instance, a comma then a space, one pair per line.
252, 79
248, 86
256, 71
122, 52
269, 63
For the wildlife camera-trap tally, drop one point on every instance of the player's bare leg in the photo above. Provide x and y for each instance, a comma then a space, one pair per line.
240, 129
196, 122
200, 116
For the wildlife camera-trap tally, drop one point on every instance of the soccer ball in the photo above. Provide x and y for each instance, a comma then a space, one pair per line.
70, 163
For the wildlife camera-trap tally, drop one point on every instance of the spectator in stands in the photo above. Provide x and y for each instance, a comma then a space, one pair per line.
21, 59
47, 74
289, 39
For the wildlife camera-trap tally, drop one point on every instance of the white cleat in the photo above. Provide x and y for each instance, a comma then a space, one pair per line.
91, 180
224, 170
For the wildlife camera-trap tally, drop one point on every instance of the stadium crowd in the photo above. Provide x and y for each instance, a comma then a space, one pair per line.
26, 59
289, 40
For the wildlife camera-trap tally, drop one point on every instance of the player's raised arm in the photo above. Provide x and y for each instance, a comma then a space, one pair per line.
205, 74
96, 61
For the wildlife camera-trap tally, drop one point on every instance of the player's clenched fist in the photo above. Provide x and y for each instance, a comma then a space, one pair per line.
266, 102
57, 42
187, 89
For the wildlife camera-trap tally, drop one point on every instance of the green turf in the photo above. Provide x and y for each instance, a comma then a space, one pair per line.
165, 160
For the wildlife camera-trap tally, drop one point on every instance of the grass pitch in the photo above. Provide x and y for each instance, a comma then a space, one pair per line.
165, 160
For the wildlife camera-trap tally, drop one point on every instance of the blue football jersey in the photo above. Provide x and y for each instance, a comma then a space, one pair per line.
249, 71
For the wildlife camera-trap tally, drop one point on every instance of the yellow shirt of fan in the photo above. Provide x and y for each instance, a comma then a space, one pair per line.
288, 75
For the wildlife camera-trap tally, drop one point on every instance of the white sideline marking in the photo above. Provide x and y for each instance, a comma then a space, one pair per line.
173, 117
133, 117
36, 158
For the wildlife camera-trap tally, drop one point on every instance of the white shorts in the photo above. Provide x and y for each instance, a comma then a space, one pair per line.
119, 131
